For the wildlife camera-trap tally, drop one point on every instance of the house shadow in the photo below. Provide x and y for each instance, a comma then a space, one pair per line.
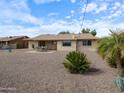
93, 71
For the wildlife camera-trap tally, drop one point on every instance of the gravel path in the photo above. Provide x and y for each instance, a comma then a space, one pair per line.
44, 73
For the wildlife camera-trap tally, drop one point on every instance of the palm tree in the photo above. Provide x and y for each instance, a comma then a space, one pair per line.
113, 46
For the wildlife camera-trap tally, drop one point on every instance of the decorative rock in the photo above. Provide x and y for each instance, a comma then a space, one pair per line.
119, 81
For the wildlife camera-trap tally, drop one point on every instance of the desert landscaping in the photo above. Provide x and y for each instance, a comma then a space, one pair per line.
25, 71
61, 46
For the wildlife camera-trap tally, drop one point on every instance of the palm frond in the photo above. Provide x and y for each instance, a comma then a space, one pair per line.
108, 46
76, 62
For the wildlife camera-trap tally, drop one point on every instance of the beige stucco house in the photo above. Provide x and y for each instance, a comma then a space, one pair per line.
63, 42
15, 42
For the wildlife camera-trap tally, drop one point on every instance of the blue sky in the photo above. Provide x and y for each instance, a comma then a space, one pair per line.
34, 17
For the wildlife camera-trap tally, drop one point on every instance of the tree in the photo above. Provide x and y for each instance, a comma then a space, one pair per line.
113, 46
93, 32
64, 32
87, 30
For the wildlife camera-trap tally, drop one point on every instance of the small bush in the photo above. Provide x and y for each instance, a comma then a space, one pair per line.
76, 62
111, 61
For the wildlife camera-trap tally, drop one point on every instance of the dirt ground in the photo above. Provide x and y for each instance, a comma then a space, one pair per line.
25, 71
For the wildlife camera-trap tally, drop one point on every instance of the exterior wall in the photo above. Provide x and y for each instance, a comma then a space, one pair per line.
80, 45
94, 43
60, 46
14, 44
19, 44
51, 46
32, 43
2, 44
6, 44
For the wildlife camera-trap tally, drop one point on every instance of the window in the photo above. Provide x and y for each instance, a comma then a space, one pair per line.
87, 42
53, 42
66, 43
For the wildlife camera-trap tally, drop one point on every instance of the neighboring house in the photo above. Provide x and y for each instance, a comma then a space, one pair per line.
15, 42
63, 42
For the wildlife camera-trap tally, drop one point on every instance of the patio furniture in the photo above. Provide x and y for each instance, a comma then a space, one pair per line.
42, 48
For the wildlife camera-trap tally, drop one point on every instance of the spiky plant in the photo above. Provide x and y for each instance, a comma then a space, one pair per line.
76, 62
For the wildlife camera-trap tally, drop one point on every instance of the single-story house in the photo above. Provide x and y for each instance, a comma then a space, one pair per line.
63, 42
15, 42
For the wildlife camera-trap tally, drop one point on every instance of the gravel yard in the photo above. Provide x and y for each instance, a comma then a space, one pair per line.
23, 71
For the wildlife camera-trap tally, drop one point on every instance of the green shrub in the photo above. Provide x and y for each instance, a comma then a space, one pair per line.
111, 61
33, 46
76, 62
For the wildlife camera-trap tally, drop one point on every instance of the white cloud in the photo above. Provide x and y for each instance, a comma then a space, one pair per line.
118, 4
115, 14
56, 26
52, 28
53, 14
29, 19
96, 7
72, 11
112, 11
90, 7
73, 1
61, 25
101, 8
68, 17
18, 30
16, 10
114, 8
45, 1
71, 14
102, 26
123, 6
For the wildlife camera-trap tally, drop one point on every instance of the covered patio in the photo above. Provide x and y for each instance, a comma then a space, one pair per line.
48, 45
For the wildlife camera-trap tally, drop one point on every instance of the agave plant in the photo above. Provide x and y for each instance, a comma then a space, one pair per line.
76, 62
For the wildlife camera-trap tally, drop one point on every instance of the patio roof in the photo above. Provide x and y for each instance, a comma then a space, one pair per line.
10, 38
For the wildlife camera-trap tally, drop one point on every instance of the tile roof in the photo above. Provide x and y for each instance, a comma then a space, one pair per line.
64, 37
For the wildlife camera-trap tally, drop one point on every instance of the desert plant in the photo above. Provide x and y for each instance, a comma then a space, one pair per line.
112, 63
76, 62
33, 46
114, 46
